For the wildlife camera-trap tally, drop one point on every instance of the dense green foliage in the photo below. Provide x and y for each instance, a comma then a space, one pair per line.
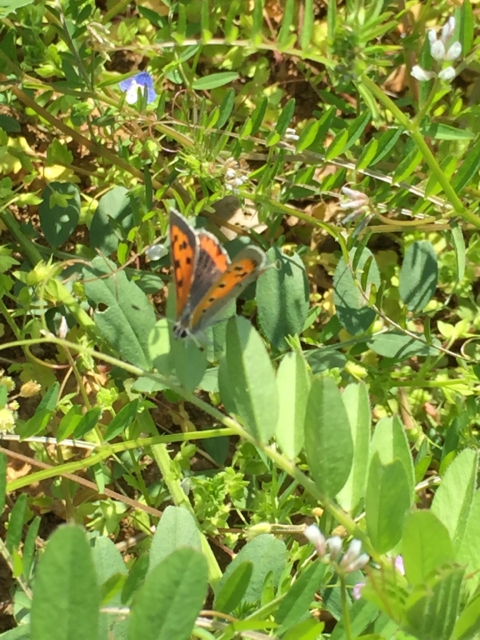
343, 393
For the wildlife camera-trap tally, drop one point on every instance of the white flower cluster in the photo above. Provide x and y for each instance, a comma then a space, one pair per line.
329, 550
440, 53
233, 179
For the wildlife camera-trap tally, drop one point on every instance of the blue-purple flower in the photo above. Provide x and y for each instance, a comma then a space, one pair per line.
143, 81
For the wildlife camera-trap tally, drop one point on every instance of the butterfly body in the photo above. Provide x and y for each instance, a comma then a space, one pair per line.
205, 278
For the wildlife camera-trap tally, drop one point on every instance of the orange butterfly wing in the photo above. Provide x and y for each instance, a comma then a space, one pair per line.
247, 266
212, 247
183, 242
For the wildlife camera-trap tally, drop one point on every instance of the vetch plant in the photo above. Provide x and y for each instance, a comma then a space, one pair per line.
440, 53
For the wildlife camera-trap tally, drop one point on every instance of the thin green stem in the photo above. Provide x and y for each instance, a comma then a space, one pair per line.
412, 127
345, 609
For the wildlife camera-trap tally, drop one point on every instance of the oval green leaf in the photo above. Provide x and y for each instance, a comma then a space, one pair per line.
282, 298
251, 378
418, 275
351, 302
169, 602
59, 212
66, 597
328, 438
215, 80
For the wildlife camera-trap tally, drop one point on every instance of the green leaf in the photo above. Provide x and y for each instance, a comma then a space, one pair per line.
159, 348
411, 162
58, 152
215, 80
109, 565
321, 360
398, 346
460, 251
356, 128
69, 422
177, 528
390, 442
453, 499
66, 598
431, 611
19, 633
308, 629
337, 145
88, 422
464, 26
298, 598
169, 602
328, 438
112, 220
362, 614
234, 588
258, 114
190, 362
7, 123
308, 24
29, 547
324, 125
426, 546
368, 154
282, 298
468, 169
351, 302
124, 418
357, 405
8, 6
253, 387
59, 212
386, 142
3, 481
286, 23
418, 275
386, 503
37, 424
267, 555
285, 117
468, 623
469, 548
446, 132
122, 313
15, 525
293, 385
226, 107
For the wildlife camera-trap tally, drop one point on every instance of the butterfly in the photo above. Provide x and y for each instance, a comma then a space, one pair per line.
205, 278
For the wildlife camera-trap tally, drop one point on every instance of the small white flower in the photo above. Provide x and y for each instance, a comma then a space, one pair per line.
291, 134
155, 252
357, 590
454, 52
334, 545
230, 174
432, 36
63, 328
352, 553
422, 75
357, 564
447, 74
437, 50
448, 29
316, 537
399, 565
